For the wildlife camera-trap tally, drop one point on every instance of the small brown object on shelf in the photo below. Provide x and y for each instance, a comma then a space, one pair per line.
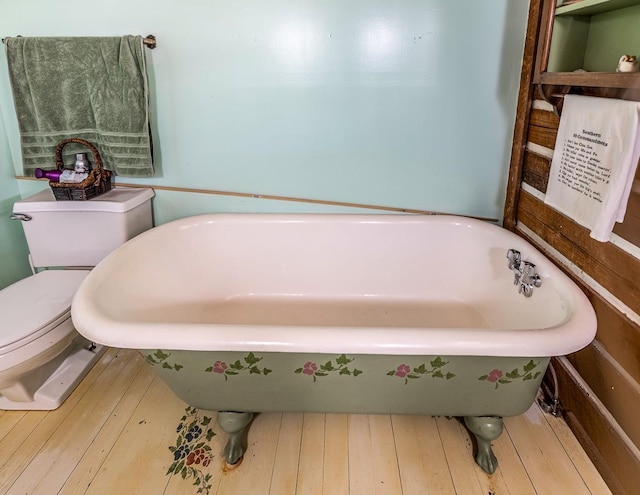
97, 182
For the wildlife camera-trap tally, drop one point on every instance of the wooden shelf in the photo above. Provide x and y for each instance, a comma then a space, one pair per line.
592, 79
594, 7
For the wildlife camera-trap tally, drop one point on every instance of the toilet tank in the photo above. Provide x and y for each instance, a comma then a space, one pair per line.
81, 233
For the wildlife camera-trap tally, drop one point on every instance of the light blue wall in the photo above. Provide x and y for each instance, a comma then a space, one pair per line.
13, 247
405, 103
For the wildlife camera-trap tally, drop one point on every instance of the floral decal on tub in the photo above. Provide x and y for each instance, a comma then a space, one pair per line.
318, 371
160, 357
236, 368
191, 450
404, 371
499, 377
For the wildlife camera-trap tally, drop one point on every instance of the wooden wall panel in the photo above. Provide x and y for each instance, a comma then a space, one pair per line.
523, 109
602, 441
543, 136
620, 338
619, 335
611, 365
610, 266
617, 393
544, 118
630, 228
536, 171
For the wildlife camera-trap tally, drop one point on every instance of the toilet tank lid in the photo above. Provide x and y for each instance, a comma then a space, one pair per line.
36, 301
117, 200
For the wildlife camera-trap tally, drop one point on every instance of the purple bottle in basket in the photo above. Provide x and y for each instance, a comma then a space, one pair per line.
52, 175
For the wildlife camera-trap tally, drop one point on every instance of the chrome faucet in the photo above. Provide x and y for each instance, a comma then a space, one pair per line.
515, 262
525, 275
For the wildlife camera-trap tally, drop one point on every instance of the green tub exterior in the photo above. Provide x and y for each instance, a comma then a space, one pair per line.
368, 384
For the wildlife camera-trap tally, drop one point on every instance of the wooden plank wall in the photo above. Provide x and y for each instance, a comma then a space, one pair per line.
608, 274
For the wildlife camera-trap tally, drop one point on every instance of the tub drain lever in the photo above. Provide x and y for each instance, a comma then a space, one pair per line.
529, 280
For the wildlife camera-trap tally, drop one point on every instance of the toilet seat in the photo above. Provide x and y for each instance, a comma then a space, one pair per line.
34, 306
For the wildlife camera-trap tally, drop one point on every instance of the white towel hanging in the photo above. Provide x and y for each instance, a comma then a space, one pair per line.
594, 161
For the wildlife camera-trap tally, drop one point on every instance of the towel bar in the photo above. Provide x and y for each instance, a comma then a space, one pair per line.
149, 41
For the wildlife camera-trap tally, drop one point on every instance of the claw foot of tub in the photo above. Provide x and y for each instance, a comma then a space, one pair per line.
485, 429
234, 424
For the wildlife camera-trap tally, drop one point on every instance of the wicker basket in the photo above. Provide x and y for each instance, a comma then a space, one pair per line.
97, 182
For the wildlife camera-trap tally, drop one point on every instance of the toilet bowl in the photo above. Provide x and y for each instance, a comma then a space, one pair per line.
42, 356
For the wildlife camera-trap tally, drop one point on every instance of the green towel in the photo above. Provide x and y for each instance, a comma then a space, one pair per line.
94, 88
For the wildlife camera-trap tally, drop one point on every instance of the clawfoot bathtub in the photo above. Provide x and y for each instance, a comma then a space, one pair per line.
392, 314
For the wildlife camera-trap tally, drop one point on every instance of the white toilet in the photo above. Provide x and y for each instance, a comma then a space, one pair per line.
42, 356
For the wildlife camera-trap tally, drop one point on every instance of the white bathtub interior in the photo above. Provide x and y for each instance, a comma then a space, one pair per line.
270, 273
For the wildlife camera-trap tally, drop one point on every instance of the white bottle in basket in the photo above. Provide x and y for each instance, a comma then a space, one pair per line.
79, 173
82, 165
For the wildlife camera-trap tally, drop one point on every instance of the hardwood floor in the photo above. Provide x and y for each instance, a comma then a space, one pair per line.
123, 431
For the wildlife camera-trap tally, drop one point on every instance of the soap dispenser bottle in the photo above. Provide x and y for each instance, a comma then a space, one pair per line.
80, 171
82, 165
